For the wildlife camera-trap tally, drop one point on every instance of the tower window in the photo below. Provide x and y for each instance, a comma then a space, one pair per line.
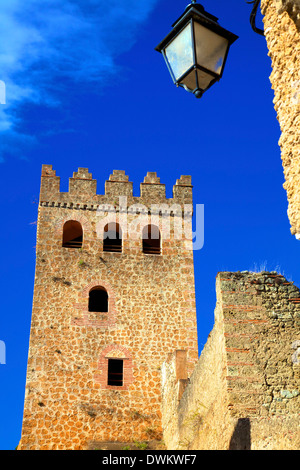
115, 372
98, 300
72, 234
151, 240
112, 238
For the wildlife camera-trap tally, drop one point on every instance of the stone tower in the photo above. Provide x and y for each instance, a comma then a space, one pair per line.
107, 310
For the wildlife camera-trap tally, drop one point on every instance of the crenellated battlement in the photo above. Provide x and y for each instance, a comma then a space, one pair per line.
83, 190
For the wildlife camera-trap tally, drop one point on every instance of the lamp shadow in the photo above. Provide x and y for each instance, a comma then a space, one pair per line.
241, 437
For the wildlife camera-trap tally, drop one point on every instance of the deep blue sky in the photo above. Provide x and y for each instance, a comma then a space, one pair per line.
85, 88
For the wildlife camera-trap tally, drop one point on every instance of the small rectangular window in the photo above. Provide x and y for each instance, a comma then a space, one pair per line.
115, 372
112, 238
151, 240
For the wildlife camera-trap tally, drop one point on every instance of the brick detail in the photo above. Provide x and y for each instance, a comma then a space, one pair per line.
98, 319
59, 225
114, 351
248, 327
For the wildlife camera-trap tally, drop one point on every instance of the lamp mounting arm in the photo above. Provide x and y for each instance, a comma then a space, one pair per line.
255, 4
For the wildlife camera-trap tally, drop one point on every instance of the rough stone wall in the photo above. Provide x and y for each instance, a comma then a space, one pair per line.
245, 390
151, 312
281, 25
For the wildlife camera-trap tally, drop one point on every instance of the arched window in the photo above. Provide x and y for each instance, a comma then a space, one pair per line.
72, 234
151, 240
112, 238
98, 300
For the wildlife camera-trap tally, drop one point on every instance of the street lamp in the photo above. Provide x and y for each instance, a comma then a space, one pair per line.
196, 49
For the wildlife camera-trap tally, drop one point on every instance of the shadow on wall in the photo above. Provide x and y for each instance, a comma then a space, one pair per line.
292, 7
241, 437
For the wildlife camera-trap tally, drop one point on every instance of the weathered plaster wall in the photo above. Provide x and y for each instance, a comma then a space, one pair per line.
281, 25
245, 390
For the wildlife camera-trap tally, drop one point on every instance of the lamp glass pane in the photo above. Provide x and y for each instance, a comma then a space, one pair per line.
210, 48
179, 52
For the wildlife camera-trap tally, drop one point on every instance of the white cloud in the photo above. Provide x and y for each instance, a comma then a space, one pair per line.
42, 41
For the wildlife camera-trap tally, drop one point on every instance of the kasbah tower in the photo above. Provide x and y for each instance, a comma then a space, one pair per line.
106, 311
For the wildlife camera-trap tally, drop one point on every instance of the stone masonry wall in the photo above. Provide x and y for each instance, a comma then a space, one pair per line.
245, 390
282, 32
151, 312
